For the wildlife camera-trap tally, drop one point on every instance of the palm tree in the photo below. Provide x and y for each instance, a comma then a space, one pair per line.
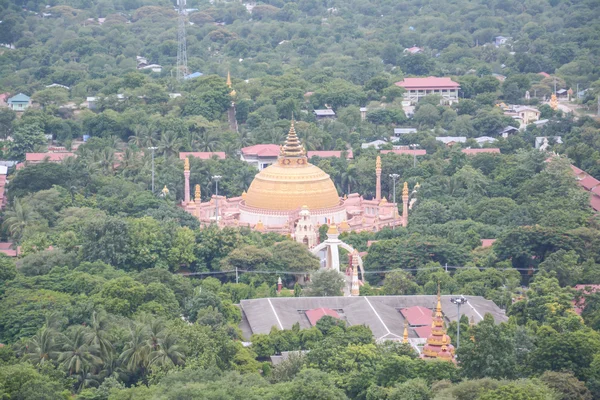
42, 347
206, 140
349, 177
138, 138
169, 143
106, 159
98, 337
78, 355
168, 352
18, 218
129, 161
135, 354
155, 330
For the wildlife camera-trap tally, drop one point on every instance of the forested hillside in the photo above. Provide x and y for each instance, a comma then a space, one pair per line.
97, 307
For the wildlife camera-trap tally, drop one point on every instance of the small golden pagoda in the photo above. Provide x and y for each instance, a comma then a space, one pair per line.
438, 339
554, 102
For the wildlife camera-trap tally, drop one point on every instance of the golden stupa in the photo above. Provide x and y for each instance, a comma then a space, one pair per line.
292, 182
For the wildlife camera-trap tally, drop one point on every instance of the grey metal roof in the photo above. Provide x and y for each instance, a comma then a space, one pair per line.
380, 313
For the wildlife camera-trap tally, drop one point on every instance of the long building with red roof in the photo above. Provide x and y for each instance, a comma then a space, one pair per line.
417, 88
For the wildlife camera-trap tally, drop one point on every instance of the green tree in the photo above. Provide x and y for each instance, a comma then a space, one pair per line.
492, 354
326, 282
399, 283
25, 140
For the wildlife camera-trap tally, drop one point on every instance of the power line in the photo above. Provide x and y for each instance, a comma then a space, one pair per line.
366, 272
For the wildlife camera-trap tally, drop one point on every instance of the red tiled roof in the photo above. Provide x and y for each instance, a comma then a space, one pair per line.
544, 74
318, 313
327, 154
417, 315
589, 182
423, 332
431, 82
478, 151
51, 156
9, 252
412, 152
595, 202
261, 150
203, 155
487, 242
5, 245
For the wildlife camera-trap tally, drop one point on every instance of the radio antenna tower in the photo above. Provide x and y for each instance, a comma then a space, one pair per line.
182, 69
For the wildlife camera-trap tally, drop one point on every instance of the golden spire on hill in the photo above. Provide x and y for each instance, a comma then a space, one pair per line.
438, 308
228, 80
197, 194
378, 163
292, 147
405, 189
405, 335
554, 102
186, 164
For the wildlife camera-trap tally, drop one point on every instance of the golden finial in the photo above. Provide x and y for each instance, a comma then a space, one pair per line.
197, 194
405, 335
293, 147
244, 195
165, 190
554, 102
405, 189
186, 164
259, 226
228, 80
378, 163
333, 230
344, 225
438, 308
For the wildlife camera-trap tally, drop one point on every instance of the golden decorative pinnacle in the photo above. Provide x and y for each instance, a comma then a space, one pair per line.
378, 163
438, 308
186, 164
405, 189
405, 335
228, 80
293, 147
197, 194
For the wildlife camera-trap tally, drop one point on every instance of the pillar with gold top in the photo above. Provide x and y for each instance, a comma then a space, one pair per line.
405, 204
378, 182
186, 175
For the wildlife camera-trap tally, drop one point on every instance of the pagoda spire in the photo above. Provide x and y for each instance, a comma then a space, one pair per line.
292, 148
228, 80
405, 335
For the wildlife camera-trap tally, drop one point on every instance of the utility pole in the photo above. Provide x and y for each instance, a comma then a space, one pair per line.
152, 148
236, 275
182, 69
414, 148
217, 178
459, 301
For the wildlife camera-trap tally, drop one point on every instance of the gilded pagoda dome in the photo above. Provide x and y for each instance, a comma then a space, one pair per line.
292, 182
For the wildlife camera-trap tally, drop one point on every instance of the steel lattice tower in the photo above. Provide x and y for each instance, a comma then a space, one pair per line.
182, 69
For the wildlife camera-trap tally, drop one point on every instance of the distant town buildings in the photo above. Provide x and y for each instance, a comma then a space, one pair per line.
417, 88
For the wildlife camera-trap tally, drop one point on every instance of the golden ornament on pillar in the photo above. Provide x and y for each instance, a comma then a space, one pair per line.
186, 164
197, 194
405, 189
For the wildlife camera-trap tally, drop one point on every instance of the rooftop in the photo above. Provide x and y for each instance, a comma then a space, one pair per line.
329, 153
203, 155
380, 313
431, 82
19, 98
412, 152
479, 151
262, 150
328, 112
33, 157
